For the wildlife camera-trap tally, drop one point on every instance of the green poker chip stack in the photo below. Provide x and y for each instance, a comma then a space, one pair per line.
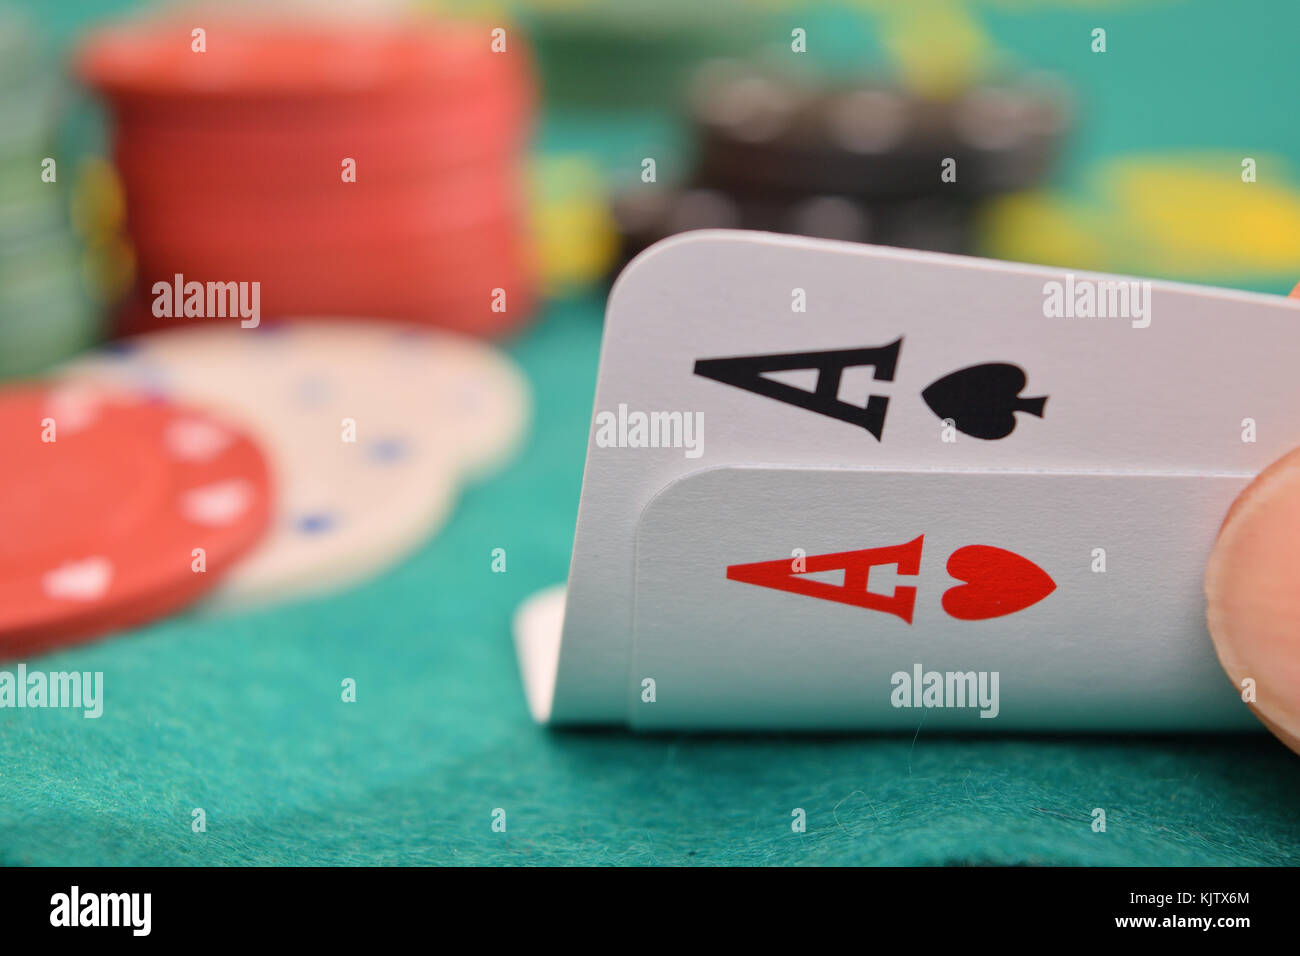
45, 313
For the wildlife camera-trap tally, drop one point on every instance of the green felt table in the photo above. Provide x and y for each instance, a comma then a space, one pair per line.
242, 715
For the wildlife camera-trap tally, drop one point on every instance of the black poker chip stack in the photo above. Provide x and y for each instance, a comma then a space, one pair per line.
864, 163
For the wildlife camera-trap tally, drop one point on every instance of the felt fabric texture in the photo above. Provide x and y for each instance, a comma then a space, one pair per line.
242, 716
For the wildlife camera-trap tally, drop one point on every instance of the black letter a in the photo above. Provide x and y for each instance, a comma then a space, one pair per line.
746, 371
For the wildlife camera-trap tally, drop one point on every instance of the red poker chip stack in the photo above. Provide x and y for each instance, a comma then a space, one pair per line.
235, 162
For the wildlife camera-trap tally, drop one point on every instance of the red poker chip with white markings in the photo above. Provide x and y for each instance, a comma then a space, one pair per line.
116, 509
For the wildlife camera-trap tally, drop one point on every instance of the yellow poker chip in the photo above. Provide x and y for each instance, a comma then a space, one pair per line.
574, 231
97, 202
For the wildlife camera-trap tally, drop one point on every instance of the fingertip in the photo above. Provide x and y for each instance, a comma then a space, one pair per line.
1252, 591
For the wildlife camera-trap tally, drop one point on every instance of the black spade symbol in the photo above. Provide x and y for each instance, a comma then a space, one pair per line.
982, 400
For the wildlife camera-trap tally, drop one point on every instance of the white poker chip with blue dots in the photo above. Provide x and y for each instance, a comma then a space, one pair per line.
369, 428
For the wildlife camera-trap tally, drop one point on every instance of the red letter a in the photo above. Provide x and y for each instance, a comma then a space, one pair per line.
856, 565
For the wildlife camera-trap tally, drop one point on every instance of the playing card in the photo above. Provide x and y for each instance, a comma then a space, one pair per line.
747, 348
795, 597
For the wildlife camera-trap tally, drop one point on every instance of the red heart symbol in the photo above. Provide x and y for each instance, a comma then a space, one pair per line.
998, 583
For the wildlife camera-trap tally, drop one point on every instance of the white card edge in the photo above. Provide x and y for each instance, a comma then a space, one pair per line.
538, 624
983, 263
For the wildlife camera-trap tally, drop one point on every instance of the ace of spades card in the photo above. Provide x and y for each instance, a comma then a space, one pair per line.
818, 467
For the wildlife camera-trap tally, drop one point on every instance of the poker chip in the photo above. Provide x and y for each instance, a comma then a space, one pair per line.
762, 133
17, 53
158, 157
45, 325
488, 298
116, 509
145, 61
354, 220
237, 164
574, 231
45, 313
26, 208
370, 428
855, 161
644, 217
